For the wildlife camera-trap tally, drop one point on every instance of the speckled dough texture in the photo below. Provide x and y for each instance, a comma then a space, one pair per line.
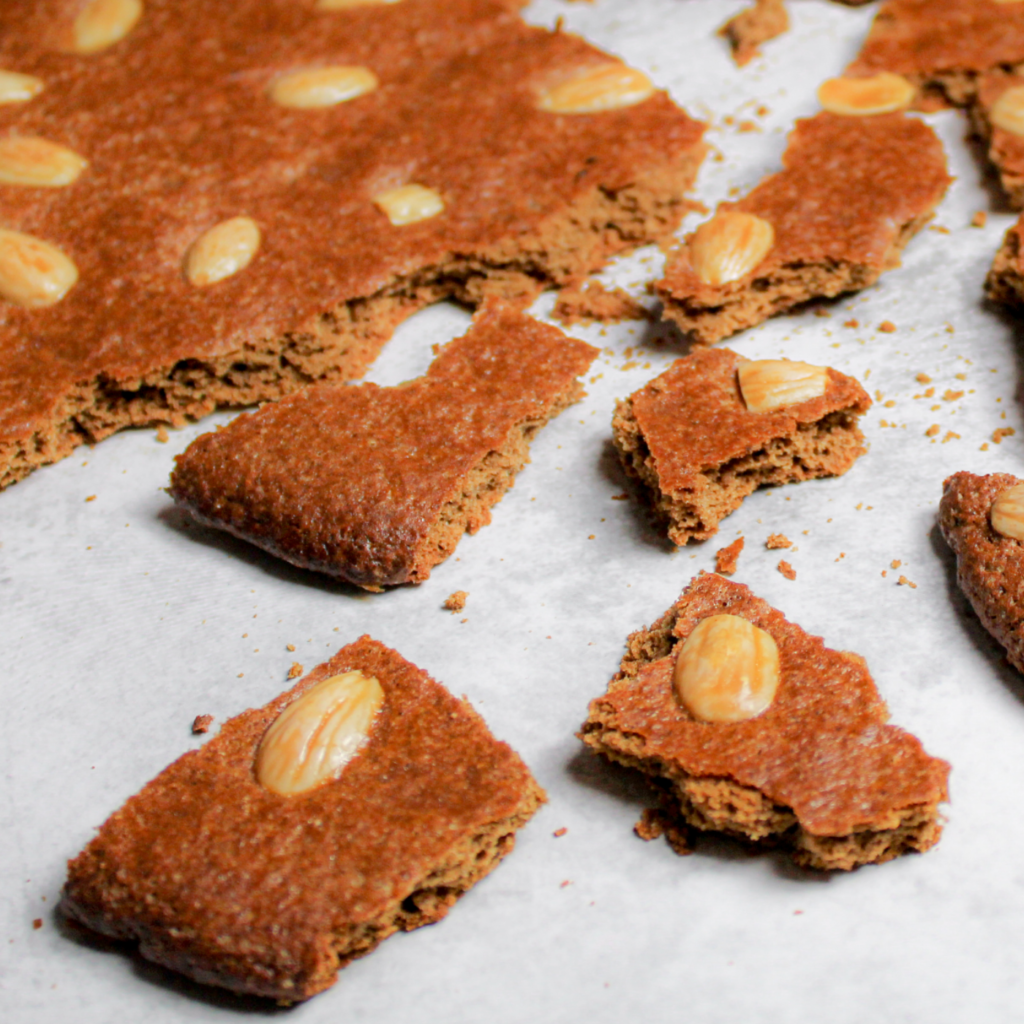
696, 451
942, 46
180, 134
853, 191
819, 770
376, 485
236, 886
989, 567
1005, 280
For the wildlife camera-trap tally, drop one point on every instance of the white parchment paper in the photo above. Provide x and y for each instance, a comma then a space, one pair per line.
120, 623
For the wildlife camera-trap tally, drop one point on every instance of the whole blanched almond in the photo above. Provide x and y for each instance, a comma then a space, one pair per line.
729, 246
409, 203
323, 87
18, 88
27, 160
313, 739
225, 249
860, 97
33, 273
769, 384
1007, 514
101, 23
727, 670
1007, 112
602, 87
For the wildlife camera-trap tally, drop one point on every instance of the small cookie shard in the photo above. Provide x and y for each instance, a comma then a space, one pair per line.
943, 46
697, 450
818, 769
1005, 280
853, 192
753, 26
531, 199
377, 485
233, 885
989, 564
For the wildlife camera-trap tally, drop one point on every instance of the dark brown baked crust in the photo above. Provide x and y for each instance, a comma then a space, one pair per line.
942, 46
1005, 280
531, 198
853, 191
236, 886
377, 485
818, 771
989, 567
697, 451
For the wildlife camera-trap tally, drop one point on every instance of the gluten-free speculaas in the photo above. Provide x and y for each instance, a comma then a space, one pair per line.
989, 564
697, 449
376, 485
233, 884
853, 191
818, 769
369, 159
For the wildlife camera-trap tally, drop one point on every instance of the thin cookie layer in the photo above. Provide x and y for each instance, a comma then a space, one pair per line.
976, 516
853, 191
715, 426
816, 767
231, 228
377, 485
235, 884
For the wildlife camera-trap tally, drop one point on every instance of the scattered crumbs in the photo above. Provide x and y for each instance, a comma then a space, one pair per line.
904, 582
949, 395
851, 323
980, 219
295, 671
960, 376
951, 435
92, 497
289, 647
762, 111
887, 327
878, 395
939, 229
934, 407
859, 505
748, 126
842, 554
565, 883
1000, 432
930, 393
778, 540
201, 724
461, 621
895, 563
727, 557
591, 536
923, 378
787, 570
161, 434
932, 430
37, 923
949, 329
559, 832
245, 636
890, 403
984, 447
884, 573
456, 601
241, 675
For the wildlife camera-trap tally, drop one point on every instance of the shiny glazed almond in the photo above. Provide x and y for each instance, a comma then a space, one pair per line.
730, 246
769, 384
604, 87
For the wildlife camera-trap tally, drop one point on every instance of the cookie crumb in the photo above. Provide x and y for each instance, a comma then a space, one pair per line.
851, 323
904, 582
923, 378
559, 832
651, 824
565, 883
932, 430
289, 647
654, 822
887, 327
787, 570
161, 434
624, 496
37, 923
201, 724
980, 219
456, 602
821, 311
778, 540
596, 302
92, 497
949, 395
1000, 433
895, 563
295, 671
727, 557
951, 435
754, 25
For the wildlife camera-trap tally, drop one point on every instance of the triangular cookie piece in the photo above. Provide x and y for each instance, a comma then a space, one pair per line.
221, 877
376, 485
982, 519
814, 765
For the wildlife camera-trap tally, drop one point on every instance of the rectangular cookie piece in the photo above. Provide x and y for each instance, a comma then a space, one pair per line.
698, 440
232, 883
377, 485
539, 192
853, 191
816, 767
